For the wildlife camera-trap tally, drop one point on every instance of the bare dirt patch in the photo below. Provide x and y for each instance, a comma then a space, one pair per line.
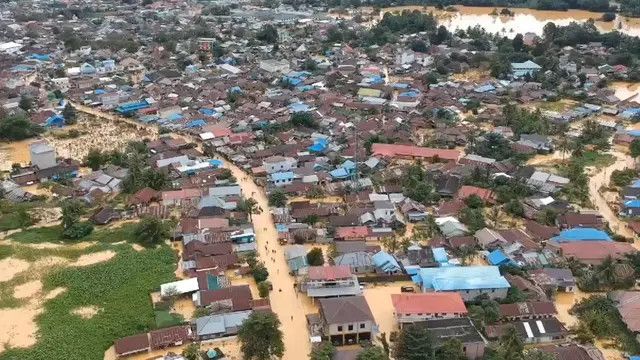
19, 326
27, 290
86, 312
10, 267
54, 293
137, 247
94, 258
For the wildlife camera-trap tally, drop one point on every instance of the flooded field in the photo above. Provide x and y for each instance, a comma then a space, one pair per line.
626, 91
14, 152
523, 21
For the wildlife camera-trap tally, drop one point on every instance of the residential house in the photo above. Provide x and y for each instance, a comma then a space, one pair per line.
576, 220
411, 308
281, 179
413, 210
296, 256
331, 281
527, 68
461, 329
554, 279
131, 345
531, 331
347, 320
489, 238
220, 325
232, 298
628, 305
359, 262
386, 263
538, 143
274, 164
592, 252
169, 337
468, 281
467, 190
528, 310
414, 152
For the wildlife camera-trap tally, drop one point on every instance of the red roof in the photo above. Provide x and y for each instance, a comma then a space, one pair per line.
352, 232
594, 252
393, 150
329, 272
428, 303
169, 336
132, 344
467, 190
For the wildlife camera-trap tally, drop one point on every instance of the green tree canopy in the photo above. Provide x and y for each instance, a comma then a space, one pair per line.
315, 257
260, 337
151, 231
372, 353
413, 343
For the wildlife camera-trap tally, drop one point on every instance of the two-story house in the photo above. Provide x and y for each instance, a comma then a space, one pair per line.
411, 308
347, 320
331, 281
274, 164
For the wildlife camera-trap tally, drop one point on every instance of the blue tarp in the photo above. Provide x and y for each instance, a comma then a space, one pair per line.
23, 68
582, 234
385, 262
484, 88
440, 254
319, 146
454, 278
208, 112
349, 165
55, 120
235, 90
196, 123
412, 93
635, 133
635, 184
282, 228
215, 163
497, 257
401, 86
40, 57
174, 117
632, 204
99, 92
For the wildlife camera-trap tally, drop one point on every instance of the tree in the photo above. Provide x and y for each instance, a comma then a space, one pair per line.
495, 215
69, 114
535, 354
315, 257
323, 351
413, 343
303, 119
474, 201
95, 159
250, 206
277, 198
18, 128
510, 346
268, 34
260, 337
518, 43
634, 148
473, 218
26, 103
547, 217
263, 289
71, 212
372, 353
192, 351
451, 349
151, 231
259, 272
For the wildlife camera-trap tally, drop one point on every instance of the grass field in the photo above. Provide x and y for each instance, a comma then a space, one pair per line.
120, 287
54, 234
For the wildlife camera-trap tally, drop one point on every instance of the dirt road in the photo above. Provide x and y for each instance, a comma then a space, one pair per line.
290, 306
601, 178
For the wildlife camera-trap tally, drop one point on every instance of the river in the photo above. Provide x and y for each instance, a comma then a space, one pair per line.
523, 21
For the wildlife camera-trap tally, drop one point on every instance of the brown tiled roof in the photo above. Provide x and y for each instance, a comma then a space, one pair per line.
428, 303
351, 309
132, 344
240, 296
526, 309
169, 336
333, 272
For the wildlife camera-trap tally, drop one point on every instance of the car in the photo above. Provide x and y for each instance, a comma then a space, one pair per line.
407, 289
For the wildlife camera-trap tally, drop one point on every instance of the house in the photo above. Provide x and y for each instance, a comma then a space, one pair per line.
592, 252
468, 281
498, 258
451, 227
180, 197
360, 262
331, 281
485, 194
105, 215
573, 352
351, 233
539, 143
531, 331
489, 238
413, 210
347, 320
462, 329
273, 66
274, 164
528, 310
232, 298
554, 279
576, 220
220, 325
411, 308
631, 208
296, 256
171, 336
581, 234
42, 155
527, 68
628, 305
280, 179
386, 263
131, 345
414, 152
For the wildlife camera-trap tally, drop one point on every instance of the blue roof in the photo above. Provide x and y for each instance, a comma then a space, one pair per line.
339, 173
400, 86
132, 106
631, 112
385, 261
440, 254
497, 257
484, 88
282, 228
453, 278
349, 165
285, 175
236, 90
40, 57
634, 133
99, 91
635, 184
174, 117
292, 80
215, 163
208, 112
319, 146
412, 93
632, 204
634, 357
582, 234
196, 123
299, 107
55, 120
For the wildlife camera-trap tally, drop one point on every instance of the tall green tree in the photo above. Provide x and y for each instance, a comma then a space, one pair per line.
315, 257
510, 346
69, 114
250, 206
151, 231
323, 351
372, 353
260, 337
634, 148
414, 343
451, 349
26, 103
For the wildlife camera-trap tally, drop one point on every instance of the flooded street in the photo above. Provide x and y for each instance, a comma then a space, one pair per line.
379, 300
14, 152
523, 21
290, 305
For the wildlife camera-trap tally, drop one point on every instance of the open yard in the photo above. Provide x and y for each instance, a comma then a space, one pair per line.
71, 301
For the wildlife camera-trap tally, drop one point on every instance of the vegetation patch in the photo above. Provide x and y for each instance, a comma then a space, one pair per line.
166, 319
121, 286
54, 234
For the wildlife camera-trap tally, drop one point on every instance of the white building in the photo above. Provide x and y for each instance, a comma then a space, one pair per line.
274, 164
42, 155
273, 66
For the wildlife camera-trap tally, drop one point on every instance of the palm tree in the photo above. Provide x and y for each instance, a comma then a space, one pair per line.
250, 206
564, 146
495, 215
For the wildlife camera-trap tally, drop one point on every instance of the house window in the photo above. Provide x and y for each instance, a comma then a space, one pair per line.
339, 327
350, 327
362, 326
